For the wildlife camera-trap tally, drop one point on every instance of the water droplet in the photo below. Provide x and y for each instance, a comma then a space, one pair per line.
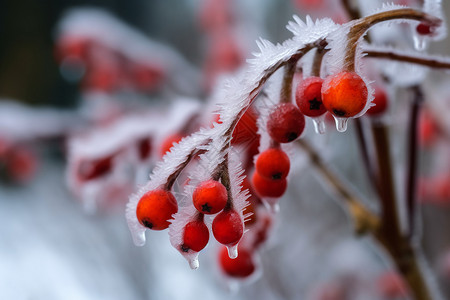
193, 262
341, 124
232, 251
319, 124
420, 42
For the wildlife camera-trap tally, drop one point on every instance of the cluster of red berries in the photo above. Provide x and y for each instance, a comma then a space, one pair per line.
156, 207
107, 69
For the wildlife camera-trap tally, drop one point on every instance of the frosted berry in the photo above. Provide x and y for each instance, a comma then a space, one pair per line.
195, 236
380, 101
210, 197
273, 164
227, 227
309, 97
155, 208
344, 94
241, 266
285, 123
268, 187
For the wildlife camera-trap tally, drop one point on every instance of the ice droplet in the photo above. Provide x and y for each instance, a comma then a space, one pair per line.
138, 236
341, 124
193, 263
319, 124
232, 251
271, 204
420, 42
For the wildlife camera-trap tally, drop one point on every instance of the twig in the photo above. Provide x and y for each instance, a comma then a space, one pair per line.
411, 173
364, 220
429, 61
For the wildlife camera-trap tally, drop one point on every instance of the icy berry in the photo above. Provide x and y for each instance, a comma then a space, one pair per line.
380, 102
268, 187
195, 237
210, 197
155, 208
285, 123
344, 94
309, 98
273, 164
227, 227
241, 266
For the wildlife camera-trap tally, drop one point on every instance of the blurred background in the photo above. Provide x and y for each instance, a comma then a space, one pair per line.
74, 74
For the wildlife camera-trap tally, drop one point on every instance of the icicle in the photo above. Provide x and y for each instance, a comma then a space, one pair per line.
193, 261
233, 251
319, 124
271, 204
341, 124
138, 236
420, 42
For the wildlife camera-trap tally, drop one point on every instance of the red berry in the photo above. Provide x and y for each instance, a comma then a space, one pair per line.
380, 101
91, 169
285, 123
344, 94
195, 237
241, 266
210, 197
155, 208
309, 97
425, 28
391, 285
268, 187
168, 143
246, 129
144, 148
21, 164
273, 164
227, 227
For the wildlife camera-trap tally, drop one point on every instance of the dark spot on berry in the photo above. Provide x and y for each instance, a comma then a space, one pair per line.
147, 223
184, 248
206, 207
276, 176
314, 104
339, 113
291, 136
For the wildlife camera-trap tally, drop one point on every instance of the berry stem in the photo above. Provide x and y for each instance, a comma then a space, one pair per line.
172, 177
318, 57
286, 88
424, 60
360, 26
364, 220
411, 173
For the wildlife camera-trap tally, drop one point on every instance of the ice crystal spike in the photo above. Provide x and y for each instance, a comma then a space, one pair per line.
319, 124
232, 251
341, 124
